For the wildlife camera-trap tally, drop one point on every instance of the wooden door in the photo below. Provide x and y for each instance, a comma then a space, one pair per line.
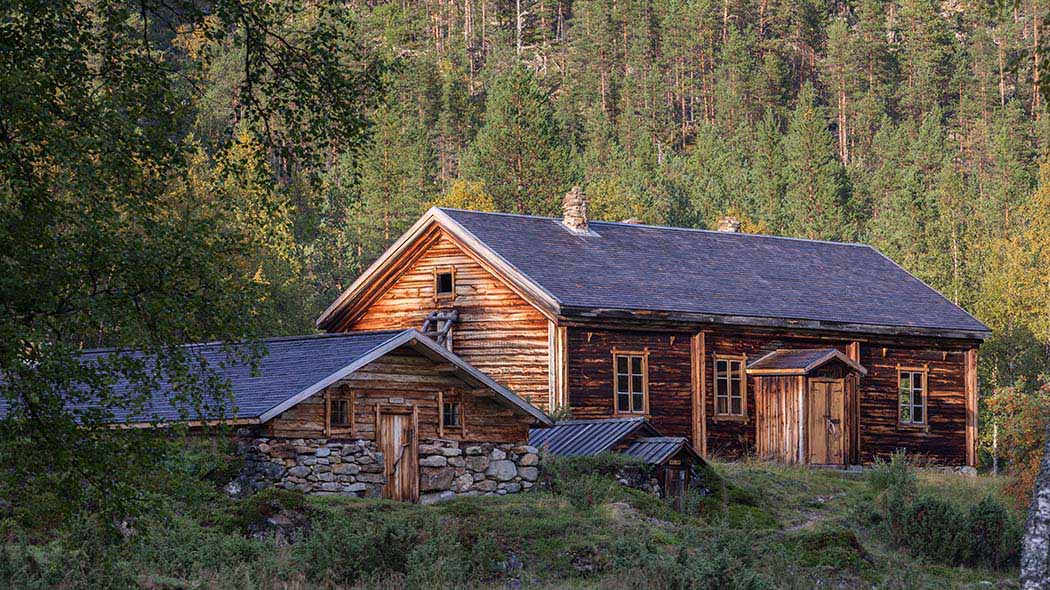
825, 424
398, 443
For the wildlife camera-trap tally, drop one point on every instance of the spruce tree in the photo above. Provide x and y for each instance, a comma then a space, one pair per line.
519, 153
817, 188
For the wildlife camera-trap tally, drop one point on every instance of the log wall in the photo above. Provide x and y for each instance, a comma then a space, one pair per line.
877, 433
404, 379
498, 331
670, 392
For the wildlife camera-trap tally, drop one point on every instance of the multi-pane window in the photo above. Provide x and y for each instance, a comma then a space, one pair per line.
340, 412
912, 392
730, 386
631, 383
450, 415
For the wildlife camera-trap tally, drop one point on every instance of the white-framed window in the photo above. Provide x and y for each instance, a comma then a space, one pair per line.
631, 383
912, 395
730, 386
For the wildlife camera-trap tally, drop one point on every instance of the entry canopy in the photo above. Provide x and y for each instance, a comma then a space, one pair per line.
786, 361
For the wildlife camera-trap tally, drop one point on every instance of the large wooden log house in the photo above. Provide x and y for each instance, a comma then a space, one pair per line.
704, 333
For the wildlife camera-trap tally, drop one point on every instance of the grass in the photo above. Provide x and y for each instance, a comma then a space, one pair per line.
769, 526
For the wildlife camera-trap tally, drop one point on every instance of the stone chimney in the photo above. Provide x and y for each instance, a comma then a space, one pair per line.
574, 208
729, 224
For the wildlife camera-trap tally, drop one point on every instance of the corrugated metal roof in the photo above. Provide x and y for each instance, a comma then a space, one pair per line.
656, 449
575, 438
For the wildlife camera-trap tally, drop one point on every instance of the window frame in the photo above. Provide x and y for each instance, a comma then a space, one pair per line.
729, 359
630, 354
924, 390
438, 272
332, 398
451, 397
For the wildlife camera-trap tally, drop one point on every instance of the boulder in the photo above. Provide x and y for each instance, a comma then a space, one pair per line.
498, 455
529, 459
431, 479
436, 497
300, 471
477, 462
451, 452
433, 461
502, 470
323, 452
529, 473
485, 485
345, 469
475, 450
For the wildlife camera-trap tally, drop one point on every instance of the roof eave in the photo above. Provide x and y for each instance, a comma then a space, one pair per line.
433, 351
606, 313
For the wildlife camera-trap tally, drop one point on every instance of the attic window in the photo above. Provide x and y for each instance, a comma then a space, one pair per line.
444, 284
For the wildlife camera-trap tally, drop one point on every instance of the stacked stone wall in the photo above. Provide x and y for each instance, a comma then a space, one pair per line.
355, 467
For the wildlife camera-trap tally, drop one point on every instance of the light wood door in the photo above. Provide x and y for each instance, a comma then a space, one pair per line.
397, 441
825, 424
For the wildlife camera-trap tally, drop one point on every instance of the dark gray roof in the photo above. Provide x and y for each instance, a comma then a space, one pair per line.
575, 438
289, 370
657, 449
635, 267
801, 361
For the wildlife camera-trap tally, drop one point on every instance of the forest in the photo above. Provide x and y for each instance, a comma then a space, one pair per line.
176, 171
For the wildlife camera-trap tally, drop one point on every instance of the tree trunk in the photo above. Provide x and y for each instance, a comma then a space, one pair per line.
1035, 548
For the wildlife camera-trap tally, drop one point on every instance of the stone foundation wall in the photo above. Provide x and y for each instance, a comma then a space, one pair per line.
355, 468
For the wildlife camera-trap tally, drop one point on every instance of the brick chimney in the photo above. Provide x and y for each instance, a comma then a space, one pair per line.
574, 207
729, 224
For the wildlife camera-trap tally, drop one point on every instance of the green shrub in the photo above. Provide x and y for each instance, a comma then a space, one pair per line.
935, 529
895, 476
995, 535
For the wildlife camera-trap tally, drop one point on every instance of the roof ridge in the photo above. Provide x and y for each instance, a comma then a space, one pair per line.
668, 227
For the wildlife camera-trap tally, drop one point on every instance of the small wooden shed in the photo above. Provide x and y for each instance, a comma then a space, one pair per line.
672, 456
807, 406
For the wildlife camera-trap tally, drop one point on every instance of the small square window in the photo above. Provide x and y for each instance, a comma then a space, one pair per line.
340, 412
730, 387
450, 415
444, 286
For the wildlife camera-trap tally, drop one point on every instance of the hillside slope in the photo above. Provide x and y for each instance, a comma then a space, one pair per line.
758, 526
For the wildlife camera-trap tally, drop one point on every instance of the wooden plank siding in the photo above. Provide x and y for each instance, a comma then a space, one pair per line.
670, 382
943, 437
778, 411
498, 331
404, 380
874, 433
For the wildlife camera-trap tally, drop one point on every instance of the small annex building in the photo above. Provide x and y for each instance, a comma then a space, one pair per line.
384, 413
672, 457
806, 406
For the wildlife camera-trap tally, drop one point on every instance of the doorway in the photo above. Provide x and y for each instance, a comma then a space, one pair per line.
825, 423
397, 430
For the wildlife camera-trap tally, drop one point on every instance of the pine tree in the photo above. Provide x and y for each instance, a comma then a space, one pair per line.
519, 153
817, 189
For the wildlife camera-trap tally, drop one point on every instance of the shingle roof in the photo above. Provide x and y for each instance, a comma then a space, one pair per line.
575, 438
635, 267
800, 361
290, 369
657, 449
